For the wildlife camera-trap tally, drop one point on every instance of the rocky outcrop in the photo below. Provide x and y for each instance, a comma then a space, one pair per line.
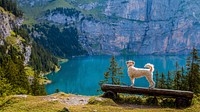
27, 54
135, 26
7, 23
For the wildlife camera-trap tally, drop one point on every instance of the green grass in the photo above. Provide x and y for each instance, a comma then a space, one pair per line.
97, 101
38, 104
31, 104
32, 13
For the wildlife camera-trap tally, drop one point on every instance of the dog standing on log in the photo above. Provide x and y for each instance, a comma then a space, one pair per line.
134, 72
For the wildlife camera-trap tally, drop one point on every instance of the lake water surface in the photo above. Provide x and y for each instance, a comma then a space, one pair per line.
81, 75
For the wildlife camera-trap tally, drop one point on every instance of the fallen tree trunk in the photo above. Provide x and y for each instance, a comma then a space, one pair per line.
183, 98
147, 91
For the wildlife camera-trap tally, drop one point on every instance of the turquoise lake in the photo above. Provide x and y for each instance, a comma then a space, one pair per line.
81, 75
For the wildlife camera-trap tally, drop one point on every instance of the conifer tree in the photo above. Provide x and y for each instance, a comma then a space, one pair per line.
162, 82
36, 86
57, 90
115, 72
177, 77
113, 75
169, 80
43, 90
184, 82
157, 78
5, 87
193, 71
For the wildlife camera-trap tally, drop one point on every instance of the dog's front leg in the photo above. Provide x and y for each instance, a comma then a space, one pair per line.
133, 81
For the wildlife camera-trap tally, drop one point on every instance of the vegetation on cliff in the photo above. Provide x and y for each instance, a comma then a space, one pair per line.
17, 77
60, 42
11, 6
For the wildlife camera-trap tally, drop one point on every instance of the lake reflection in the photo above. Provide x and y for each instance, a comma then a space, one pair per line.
81, 75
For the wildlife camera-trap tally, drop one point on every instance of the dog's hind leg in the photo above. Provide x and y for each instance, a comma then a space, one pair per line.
150, 80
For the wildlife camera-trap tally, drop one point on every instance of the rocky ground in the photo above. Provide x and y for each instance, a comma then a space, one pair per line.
71, 100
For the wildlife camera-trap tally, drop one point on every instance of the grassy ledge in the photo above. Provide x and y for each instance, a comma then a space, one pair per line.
75, 103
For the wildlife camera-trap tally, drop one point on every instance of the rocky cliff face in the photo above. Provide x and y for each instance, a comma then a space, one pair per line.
7, 23
135, 26
147, 27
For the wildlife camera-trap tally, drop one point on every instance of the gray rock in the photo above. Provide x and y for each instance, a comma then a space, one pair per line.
27, 54
144, 27
137, 26
7, 23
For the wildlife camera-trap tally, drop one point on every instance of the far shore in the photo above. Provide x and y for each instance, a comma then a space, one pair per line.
57, 69
61, 61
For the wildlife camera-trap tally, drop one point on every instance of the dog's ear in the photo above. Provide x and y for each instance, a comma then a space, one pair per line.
127, 62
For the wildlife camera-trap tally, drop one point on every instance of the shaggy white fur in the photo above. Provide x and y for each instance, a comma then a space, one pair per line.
134, 72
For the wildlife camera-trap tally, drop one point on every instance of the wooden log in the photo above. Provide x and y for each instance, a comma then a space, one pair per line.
147, 91
110, 94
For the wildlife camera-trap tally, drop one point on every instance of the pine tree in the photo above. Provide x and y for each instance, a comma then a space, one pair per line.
177, 78
57, 90
193, 71
157, 79
184, 82
106, 78
162, 82
5, 87
113, 75
43, 90
169, 80
115, 72
36, 86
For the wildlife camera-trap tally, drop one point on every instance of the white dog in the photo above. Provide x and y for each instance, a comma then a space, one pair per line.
134, 72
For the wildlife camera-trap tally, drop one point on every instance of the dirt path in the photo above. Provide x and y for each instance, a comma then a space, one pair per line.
72, 100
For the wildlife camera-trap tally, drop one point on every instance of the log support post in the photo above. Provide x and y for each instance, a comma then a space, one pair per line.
182, 102
110, 94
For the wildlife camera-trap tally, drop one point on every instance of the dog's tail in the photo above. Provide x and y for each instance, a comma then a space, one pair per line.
150, 66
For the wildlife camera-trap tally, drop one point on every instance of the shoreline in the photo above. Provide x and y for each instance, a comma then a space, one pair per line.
57, 69
61, 61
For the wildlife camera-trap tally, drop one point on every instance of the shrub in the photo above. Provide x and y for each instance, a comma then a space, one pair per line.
151, 101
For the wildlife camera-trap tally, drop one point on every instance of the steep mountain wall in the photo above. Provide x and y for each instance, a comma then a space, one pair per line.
133, 26
147, 26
